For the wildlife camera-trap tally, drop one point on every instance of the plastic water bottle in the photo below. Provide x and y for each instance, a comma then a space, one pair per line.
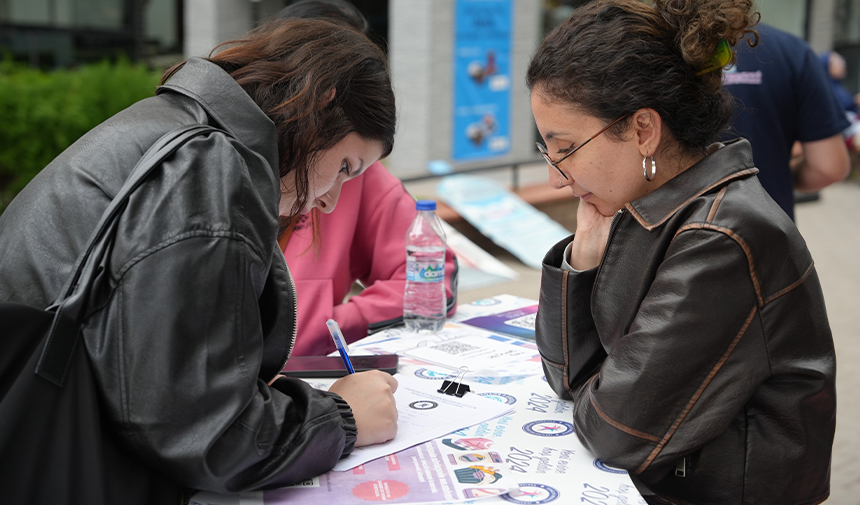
424, 298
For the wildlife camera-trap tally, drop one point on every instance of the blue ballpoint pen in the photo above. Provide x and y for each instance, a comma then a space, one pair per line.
340, 343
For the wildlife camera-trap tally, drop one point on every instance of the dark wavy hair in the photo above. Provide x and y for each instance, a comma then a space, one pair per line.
289, 67
613, 57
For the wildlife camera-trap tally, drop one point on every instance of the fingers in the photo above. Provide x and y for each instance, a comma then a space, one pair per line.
391, 381
371, 397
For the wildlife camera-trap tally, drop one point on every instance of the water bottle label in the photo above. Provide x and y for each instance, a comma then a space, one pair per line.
429, 272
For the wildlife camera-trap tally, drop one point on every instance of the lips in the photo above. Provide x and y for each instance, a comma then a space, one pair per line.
583, 196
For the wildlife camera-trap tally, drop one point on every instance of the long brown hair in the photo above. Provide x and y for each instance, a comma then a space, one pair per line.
613, 57
290, 67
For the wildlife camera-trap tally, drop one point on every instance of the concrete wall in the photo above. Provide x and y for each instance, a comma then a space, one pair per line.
211, 22
421, 52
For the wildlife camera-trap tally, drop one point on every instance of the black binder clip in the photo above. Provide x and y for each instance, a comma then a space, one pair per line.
459, 388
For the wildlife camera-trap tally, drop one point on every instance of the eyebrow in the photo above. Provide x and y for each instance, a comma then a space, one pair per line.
360, 167
551, 135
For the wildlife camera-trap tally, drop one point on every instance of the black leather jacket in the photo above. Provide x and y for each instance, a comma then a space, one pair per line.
200, 311
698, 354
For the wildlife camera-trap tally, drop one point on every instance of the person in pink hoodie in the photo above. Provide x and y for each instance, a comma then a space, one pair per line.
362, 240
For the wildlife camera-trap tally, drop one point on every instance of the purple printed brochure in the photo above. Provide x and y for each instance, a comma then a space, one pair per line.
517, 322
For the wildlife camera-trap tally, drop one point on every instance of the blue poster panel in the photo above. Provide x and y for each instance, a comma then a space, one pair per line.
482, 79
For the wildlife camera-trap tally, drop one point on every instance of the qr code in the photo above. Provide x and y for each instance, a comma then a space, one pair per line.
454, 348
527, 321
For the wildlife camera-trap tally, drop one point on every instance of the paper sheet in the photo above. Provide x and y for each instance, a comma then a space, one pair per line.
449, 469
502, 216
425, 414
517, 322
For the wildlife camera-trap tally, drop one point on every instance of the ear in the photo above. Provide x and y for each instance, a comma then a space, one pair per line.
647, 128
329, 97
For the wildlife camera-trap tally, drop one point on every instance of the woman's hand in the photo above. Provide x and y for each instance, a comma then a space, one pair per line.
592, 232
371, 397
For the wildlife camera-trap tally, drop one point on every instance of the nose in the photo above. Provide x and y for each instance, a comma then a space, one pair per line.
327, 202
556, 180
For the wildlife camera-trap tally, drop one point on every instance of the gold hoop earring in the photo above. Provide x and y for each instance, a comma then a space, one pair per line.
645, 169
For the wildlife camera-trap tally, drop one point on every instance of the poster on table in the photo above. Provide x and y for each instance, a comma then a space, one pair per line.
547, 459
445, 470
482, 79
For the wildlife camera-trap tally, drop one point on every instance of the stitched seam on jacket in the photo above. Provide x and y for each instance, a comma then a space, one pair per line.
716, 205
791, 286
650, 227
550, 362
697, 394
564, 348
616, 424
731, 234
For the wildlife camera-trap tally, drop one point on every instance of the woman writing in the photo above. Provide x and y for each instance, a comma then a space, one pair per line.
363, 241
685, 318
199, 317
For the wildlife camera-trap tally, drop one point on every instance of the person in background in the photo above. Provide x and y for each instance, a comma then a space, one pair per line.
187, 340
783, 96
836, 70
834, 66
684, 318
362, 241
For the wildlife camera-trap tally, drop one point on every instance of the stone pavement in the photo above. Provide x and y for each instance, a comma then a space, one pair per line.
831, 227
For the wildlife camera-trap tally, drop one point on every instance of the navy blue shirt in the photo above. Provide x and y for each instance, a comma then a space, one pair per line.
781, 95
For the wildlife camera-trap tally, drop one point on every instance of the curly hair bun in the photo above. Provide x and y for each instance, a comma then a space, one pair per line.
613, 57
699, 26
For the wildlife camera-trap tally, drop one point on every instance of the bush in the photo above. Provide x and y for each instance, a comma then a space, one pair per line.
43, 113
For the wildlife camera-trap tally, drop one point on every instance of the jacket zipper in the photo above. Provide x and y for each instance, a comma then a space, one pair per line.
612, 229
681, 467
295, 315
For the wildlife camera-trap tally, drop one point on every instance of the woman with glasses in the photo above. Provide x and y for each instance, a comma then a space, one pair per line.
684, 318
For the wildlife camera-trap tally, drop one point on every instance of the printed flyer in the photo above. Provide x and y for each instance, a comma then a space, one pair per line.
448, 469
550, 463
517, 322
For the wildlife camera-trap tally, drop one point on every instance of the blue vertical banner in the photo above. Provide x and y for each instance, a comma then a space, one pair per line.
482, 79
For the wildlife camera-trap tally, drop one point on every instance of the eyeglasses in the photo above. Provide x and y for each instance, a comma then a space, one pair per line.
545, 153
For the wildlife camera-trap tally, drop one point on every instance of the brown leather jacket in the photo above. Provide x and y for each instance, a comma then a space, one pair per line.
698, 354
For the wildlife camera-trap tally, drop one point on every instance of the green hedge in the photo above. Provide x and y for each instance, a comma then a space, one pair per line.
42, 113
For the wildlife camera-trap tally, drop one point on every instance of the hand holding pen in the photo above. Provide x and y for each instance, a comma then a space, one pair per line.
340, 344
370, 395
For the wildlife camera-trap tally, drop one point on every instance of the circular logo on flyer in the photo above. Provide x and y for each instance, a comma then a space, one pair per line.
600, 465
423, 373
548, 428
533, 494
500, 397
380, 490
486, 302
423, 405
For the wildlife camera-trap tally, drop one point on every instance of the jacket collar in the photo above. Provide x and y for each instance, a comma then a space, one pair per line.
724, 163
228, 104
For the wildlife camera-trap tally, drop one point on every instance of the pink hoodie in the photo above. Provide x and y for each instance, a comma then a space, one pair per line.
363, 239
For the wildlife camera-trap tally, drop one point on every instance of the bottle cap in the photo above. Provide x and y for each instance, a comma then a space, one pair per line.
425, 205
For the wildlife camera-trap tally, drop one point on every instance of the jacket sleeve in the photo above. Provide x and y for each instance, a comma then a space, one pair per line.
181, 371
568, 342
381, 244
691, 359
